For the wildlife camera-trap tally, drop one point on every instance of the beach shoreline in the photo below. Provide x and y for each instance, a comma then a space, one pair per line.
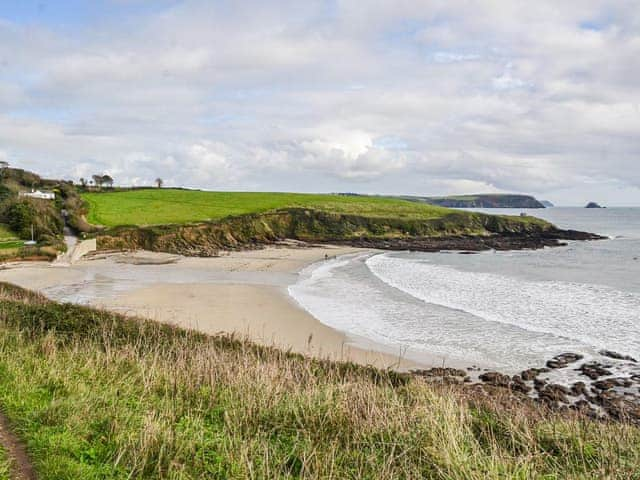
241, 293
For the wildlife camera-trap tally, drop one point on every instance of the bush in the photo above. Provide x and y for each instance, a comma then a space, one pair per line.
22, 214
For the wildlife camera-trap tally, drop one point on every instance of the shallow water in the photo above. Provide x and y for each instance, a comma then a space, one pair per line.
94, 281
507, 310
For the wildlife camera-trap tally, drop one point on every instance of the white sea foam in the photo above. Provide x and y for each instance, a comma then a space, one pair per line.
598, 316
508, 310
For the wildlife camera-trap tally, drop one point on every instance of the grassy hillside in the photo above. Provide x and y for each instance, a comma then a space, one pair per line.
172, 206
95, 396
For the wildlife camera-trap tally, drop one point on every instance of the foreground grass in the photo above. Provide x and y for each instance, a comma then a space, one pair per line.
166, 206
5, 465
97, 396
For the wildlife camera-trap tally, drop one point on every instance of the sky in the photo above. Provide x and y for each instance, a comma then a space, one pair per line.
386, 97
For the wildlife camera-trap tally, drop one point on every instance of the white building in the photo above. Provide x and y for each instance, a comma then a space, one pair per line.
39, 194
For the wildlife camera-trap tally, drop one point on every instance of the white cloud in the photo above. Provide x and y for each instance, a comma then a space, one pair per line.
498, 96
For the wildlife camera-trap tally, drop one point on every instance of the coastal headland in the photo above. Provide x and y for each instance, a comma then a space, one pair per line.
203, 223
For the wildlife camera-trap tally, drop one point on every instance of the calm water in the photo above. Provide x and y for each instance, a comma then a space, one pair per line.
502, 309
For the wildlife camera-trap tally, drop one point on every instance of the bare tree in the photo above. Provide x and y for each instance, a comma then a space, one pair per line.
83, 182
159, 182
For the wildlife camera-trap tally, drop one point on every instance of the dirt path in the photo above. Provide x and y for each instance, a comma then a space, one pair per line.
21, 468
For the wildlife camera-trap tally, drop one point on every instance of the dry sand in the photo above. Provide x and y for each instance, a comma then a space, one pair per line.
243, 293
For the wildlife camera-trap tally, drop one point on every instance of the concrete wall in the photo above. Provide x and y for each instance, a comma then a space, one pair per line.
82, 248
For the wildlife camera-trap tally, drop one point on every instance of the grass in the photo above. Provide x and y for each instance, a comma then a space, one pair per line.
5, 465
172, 206
96, 395
6, 233
12, 244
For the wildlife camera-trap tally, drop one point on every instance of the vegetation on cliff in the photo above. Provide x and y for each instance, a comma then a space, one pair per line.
97, 395
23, 218
162, 220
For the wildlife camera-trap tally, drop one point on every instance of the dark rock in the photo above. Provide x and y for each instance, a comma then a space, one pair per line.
582, 406
495, 378
532, 373
554, 394
579, 388
518, 385
539, 384
564, 359
610, 383
497, 241
617, 356
593, 370
619, 407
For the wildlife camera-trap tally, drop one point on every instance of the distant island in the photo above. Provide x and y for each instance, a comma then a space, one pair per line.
593, 205
481, 201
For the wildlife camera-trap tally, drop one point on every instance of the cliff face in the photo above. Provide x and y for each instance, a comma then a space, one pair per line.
482, 201
205, 239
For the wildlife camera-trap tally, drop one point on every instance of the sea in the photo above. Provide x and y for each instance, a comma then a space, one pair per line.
503, 310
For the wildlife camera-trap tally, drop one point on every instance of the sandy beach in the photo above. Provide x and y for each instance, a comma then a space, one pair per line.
243, 293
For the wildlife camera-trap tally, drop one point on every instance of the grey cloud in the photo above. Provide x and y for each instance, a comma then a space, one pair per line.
502, 96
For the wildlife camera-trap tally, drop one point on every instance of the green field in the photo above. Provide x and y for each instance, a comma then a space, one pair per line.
171, 206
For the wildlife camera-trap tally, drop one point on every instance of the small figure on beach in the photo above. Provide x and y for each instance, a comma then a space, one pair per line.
326, 256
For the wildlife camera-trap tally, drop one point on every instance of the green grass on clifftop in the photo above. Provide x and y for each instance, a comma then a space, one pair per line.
173, 206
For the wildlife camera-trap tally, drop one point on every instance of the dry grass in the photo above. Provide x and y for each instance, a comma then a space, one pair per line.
99, 396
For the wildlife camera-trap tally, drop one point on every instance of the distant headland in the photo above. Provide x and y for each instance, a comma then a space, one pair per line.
482, 201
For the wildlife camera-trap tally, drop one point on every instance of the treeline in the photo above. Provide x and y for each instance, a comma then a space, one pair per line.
97, 181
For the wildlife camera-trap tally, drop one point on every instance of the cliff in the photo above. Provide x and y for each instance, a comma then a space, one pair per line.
457, 230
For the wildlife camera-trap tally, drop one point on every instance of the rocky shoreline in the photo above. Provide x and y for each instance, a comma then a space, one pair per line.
606, 388
502, 242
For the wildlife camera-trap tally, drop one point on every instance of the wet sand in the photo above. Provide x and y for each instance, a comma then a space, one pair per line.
244, 293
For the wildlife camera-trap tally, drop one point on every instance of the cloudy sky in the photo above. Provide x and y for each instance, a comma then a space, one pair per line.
412, 97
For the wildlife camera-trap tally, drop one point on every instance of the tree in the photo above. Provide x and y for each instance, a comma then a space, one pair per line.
4, 164
83, 182
107, 180
97, 180
159, 182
